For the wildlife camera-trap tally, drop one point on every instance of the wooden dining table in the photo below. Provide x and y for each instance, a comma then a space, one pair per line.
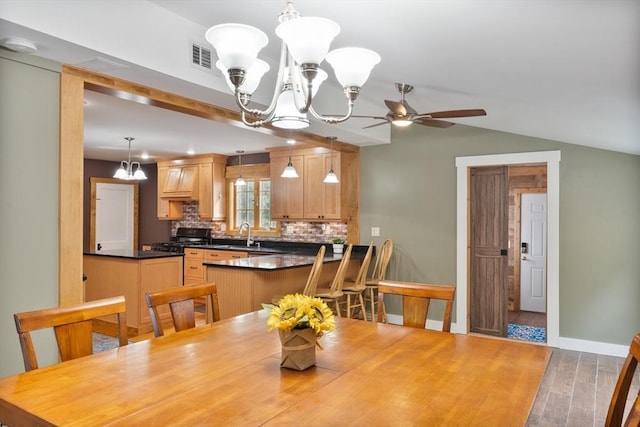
228, 373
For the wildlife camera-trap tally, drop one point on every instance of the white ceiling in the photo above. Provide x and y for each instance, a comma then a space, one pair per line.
562, 70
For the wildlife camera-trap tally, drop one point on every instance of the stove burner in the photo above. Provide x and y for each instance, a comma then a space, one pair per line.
184, 237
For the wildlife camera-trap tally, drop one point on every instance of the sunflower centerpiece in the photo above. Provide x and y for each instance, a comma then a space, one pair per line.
300, 320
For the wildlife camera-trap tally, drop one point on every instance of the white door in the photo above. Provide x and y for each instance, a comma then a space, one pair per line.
114, 216
533, 252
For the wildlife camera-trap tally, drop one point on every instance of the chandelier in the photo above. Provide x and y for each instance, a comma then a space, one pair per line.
305, 44
126, 167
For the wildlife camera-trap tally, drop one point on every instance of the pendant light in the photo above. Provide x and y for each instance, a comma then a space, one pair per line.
331, 177
290, 171
126, 167
240, 180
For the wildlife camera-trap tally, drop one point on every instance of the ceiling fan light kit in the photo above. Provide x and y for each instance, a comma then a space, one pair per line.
305, 44
402, 114
126, 171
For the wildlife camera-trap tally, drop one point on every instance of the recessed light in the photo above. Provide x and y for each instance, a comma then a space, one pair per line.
145, 156
17, 44
191, 152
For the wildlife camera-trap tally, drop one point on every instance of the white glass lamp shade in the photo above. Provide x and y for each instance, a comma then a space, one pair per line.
289, 171
352, 65
237, 45
287, 115
121, 173
320, 77
240, 181
251, 79
139, 174
331, 178
308, 38
401, 122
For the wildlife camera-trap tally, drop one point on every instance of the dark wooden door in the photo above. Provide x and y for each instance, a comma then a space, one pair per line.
489, 226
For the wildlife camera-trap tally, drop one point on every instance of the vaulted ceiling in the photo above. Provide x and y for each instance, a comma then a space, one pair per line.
562, 70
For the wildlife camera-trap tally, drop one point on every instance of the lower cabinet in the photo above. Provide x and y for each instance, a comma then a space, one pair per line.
194, 271
112, 276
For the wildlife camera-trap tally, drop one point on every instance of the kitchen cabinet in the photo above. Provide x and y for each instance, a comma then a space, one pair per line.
181, 182
309, 197
286, 193
212, 203
194, 271
199, 178
167, 209
321, 200
132, 277
193, 268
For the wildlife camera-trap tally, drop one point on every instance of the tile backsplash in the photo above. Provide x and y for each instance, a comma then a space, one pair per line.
295, 231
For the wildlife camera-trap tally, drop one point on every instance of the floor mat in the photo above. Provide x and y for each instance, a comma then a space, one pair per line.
526, 333
103, 342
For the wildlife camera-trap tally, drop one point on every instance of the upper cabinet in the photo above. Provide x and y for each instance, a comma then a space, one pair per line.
286, 193
196, 178
181, 182
309, 197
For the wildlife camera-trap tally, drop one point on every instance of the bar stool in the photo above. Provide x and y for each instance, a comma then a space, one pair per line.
356, 287
379, 271
334, 293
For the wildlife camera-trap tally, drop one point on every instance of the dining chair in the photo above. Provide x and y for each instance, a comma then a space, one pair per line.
415, 301
334, 292
73, 327
181, 303
379, 272
312, 279
355, 287
615, 415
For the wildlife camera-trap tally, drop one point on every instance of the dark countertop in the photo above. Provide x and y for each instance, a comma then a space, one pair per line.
275, 247
131, 254
275, 262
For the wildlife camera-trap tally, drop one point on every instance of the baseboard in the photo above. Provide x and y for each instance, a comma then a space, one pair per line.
564, 343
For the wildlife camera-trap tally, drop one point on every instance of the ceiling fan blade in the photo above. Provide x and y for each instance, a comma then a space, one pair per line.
369, 117
410, 110
374, 125
454, 113
396, 107
433, 123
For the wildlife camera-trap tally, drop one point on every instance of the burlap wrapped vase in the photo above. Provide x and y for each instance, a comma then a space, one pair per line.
298, 349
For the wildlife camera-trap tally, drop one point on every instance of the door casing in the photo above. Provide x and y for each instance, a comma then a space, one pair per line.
552, 160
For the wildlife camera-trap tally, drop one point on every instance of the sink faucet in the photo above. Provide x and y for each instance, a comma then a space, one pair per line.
249, 241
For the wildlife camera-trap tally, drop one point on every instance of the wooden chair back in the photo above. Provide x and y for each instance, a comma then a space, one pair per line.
361, 278
415, 301
314, 275
341, 273
382, 261
615, 415
182, 306
73, 327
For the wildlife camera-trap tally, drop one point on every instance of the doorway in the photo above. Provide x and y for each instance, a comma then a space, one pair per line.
463, 164
114, 215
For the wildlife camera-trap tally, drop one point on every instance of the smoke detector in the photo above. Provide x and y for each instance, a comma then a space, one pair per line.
19, 45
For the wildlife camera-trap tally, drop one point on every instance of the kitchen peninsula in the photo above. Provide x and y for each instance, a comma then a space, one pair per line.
245, 283
132, 274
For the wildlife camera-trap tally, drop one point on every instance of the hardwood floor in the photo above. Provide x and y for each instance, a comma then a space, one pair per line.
528, 318
576, 390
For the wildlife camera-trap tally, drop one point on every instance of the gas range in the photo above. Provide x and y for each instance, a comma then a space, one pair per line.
184, 237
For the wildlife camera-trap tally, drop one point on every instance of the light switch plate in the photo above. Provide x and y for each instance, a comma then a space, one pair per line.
375, 231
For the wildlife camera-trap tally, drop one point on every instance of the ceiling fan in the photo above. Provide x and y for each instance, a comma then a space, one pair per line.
402, 114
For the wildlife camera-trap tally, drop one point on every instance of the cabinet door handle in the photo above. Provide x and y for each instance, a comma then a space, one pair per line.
193, 268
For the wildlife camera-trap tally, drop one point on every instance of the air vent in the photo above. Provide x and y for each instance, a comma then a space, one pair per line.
201, 56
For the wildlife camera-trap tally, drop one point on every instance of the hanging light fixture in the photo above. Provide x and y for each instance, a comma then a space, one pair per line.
126, 167
305, 43
240, 180
331, 177
290, 171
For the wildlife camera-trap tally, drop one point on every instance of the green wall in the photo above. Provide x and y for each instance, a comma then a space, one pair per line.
408, 189
29, 135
